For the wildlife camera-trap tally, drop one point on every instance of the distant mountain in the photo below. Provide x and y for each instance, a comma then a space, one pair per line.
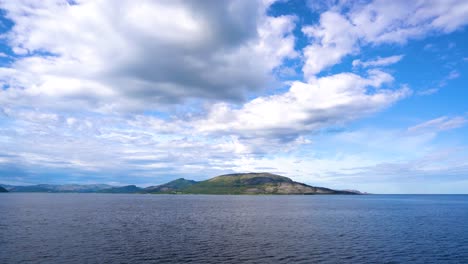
123, 189
246, 183
33, 188
238, 183
87, 188
3, 190
171, 187
81, 188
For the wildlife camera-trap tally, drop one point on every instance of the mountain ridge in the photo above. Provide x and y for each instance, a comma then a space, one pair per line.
235, 183
256, 183
76, 188
171, 187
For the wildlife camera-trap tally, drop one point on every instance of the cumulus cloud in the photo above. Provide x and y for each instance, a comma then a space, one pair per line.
142, 52
143, 144
341, 31
332, 39
323, 102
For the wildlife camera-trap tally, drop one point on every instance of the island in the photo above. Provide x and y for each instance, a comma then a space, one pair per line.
242, 183
3, 190
236, 183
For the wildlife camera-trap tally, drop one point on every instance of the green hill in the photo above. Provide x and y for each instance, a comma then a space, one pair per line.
247, 183
174, 186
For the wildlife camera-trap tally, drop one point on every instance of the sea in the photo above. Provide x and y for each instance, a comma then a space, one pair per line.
145, 228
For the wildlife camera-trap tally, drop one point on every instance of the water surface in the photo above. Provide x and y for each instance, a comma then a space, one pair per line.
121, 228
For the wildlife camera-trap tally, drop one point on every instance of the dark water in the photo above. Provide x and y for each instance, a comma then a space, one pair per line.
113, 228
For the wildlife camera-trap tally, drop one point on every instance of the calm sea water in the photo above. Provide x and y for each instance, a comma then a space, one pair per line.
114, 228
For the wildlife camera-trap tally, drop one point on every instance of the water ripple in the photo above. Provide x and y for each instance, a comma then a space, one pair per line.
103, 228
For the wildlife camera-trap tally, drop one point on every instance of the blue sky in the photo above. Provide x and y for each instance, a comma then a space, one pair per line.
367, 95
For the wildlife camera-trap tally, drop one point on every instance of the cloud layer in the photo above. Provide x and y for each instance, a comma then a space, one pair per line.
146, 91
109, 56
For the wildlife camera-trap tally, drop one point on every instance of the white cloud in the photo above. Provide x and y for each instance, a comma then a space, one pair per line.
265, 125
428, 91
439, 171
397, 21
440, 124
324, 5
326, 101
105, 145
128, 149
453, 75
186, 68
442, 83
332, 39
377, 62
369, 159
108, 56
341, 31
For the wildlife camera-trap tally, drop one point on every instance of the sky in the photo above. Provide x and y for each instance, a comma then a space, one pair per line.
366, 95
